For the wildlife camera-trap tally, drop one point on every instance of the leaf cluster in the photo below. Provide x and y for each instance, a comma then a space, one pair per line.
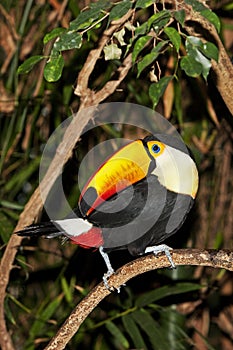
163, 31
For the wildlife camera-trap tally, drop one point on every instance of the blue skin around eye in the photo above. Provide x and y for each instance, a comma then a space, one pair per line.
155, 148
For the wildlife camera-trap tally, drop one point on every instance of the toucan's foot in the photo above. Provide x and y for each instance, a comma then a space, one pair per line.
162, 248
110, 271
105, 279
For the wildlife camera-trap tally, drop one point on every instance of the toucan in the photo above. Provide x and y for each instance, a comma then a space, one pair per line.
135, 200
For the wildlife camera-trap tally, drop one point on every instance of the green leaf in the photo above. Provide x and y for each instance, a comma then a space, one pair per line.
173, 326
7, 311
228, 7
162, 292
205, 63
112, 52
139, 46
195, 47
191, 67
11, 205
151, 328
196, 5
12, 214
174, 37
179, 16
19, 304
120, 10
218, 241
68, 41
156, 90
212, 18
86, 18
144, 3
133, 331
193, 44
100, 5
205, 12
53, 34
159, 20
27, 65
141, 30
6, 227
43, 316
66, 289
210, 50
17, 181
53, 68
149, 58
146, 61
117, 334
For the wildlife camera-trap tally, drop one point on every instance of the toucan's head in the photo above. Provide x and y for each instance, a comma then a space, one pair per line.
174, 168
163, 156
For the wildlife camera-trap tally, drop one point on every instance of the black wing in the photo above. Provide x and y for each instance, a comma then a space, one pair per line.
141, 215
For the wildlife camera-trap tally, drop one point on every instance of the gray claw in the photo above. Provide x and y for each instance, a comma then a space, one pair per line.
162, 248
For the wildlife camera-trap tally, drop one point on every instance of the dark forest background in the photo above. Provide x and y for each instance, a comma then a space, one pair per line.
192, 307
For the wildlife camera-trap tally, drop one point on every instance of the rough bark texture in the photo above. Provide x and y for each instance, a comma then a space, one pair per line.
212, 258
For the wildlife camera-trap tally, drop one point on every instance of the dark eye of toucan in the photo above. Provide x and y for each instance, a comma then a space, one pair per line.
155, 148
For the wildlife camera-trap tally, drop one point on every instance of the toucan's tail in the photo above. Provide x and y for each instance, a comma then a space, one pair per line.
46, 229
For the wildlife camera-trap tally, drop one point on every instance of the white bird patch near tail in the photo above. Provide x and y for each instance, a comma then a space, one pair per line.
73, 227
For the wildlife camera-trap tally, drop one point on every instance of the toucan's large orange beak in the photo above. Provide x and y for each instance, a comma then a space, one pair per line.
124, 168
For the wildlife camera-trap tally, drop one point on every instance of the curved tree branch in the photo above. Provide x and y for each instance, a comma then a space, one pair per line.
82, 87
213, 258
197, 25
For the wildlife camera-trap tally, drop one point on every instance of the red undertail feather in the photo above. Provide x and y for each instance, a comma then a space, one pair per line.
90, 239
